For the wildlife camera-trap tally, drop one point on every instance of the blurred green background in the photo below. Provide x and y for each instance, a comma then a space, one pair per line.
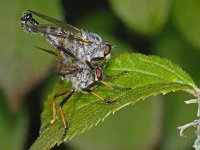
167, 28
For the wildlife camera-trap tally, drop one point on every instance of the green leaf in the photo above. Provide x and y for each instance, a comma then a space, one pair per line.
186, 18
133, 128
147, 76
19, 69
143, 16
171, 46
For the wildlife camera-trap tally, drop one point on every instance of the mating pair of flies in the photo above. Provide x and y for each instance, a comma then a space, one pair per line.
80, 58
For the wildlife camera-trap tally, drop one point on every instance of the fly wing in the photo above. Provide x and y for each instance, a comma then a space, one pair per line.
58, 29
64, 69
47, 30
57, 22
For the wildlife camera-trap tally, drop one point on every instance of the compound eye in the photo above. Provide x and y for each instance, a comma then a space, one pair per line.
99, 73
107, 49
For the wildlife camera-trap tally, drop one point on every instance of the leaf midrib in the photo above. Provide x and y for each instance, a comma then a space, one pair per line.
141, 86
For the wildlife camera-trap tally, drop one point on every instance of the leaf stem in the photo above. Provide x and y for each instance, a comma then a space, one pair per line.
196, 123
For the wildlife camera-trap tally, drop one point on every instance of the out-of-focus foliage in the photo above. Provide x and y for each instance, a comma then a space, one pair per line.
22, 65
186, 19
13, 127
143, 16
173, 28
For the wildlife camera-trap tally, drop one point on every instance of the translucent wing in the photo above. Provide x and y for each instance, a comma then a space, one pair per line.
62, 69
57, 22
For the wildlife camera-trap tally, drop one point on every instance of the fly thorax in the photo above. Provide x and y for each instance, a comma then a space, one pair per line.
94, 38
79, 53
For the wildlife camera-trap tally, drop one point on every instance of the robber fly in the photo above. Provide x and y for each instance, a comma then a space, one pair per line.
77, 43
76, 52
82, 78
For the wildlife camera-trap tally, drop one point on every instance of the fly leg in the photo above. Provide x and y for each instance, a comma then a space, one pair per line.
64, 120
88, 89
117, 75
115, 87
54, 106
